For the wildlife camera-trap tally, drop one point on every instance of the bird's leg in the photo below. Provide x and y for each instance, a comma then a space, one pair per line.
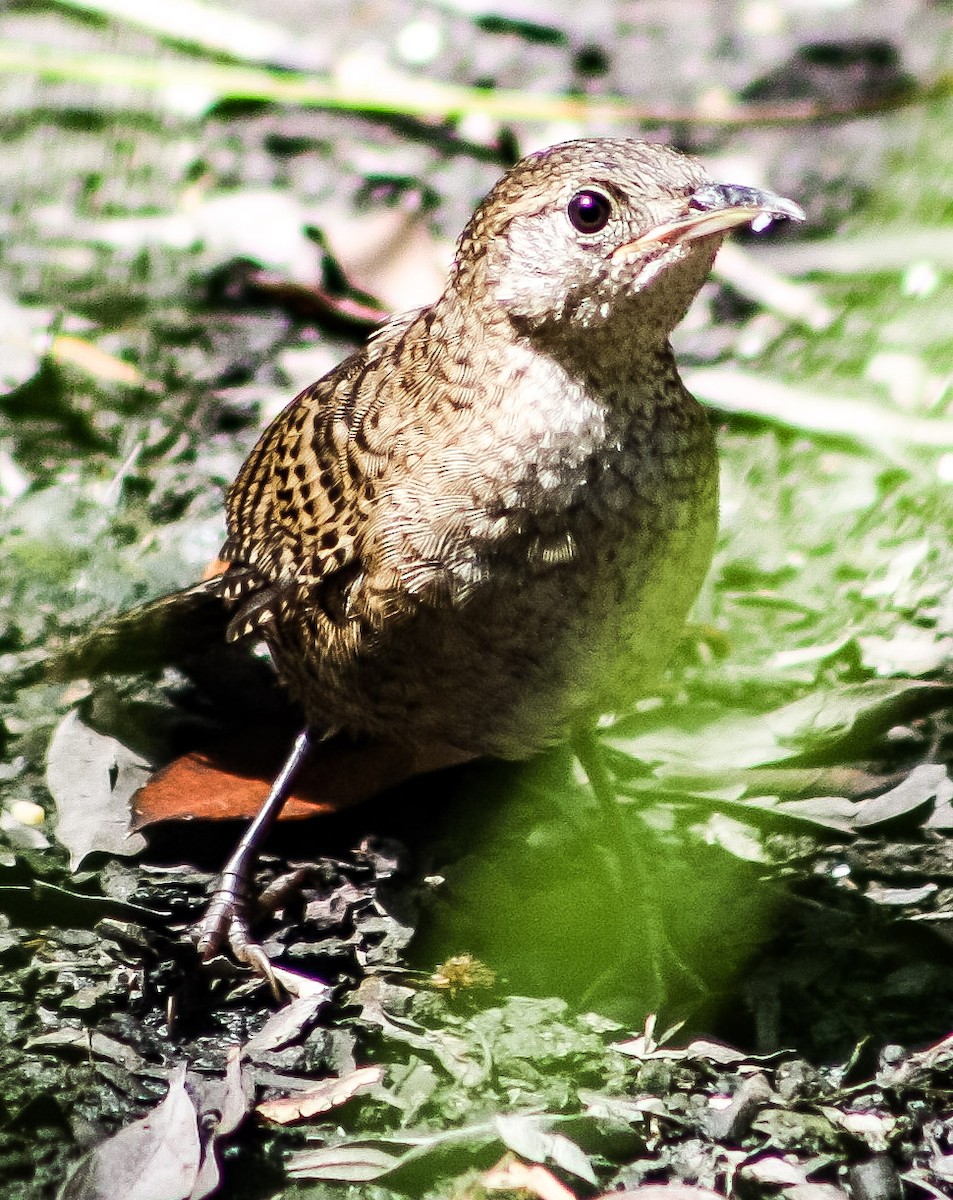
226, 921
640, 919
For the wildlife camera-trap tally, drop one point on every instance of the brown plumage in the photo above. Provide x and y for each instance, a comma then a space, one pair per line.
488, 524
486, 527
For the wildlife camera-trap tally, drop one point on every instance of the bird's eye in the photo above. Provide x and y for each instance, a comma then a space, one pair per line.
589, 211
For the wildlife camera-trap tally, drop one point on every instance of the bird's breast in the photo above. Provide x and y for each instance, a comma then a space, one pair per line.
535, 566
551, 478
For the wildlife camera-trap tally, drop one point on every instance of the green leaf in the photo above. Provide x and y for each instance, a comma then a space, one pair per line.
845, 719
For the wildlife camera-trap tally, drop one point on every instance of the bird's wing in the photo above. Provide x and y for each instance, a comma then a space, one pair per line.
296, 512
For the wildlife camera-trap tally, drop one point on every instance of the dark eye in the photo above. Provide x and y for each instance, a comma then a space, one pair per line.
589, 211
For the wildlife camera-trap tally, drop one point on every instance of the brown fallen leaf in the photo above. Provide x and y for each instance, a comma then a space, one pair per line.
328, 1094
511, 1175
231, 780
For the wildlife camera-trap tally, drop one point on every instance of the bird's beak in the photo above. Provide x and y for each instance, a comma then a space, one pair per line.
715, 208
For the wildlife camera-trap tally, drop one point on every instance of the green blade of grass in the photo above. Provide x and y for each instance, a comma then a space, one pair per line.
397, 92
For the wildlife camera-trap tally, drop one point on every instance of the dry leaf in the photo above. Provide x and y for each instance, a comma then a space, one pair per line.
300, 986
513, 1175
156, 1158
92, 777
290, 1022
330, 1093
231, 781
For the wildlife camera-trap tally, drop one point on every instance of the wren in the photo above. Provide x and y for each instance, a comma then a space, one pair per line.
486, 527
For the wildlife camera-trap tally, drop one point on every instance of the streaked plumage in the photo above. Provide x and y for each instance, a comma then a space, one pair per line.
488, 524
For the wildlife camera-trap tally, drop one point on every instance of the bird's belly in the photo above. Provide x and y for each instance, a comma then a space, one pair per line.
531, 651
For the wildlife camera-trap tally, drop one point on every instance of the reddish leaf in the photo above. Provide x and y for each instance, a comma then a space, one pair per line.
231, 780
328, 1094
511, 1175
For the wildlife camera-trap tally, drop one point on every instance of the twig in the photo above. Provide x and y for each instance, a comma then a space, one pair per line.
399, 93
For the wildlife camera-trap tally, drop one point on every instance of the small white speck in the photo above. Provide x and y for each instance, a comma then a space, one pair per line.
840, 871
761, 221
762, 18
419, 42
903, 375
13, 481
368, 61
188, 99
715, 101
477, 127
944, 469
921, 278
25, 812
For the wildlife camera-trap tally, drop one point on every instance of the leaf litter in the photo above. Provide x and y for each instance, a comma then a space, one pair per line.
803, 922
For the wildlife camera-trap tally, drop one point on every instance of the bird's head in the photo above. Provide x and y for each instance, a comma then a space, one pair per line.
604, 236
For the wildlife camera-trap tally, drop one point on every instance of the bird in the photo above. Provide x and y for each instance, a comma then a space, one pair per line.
485, 528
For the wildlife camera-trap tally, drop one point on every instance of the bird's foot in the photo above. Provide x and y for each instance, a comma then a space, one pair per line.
226, 927
226, 924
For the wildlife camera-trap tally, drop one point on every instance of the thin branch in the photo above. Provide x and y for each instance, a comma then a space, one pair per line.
396, 92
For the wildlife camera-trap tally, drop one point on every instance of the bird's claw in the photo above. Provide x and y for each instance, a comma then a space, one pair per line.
225, 927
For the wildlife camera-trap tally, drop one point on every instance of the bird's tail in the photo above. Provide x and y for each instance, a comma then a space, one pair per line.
160, 633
